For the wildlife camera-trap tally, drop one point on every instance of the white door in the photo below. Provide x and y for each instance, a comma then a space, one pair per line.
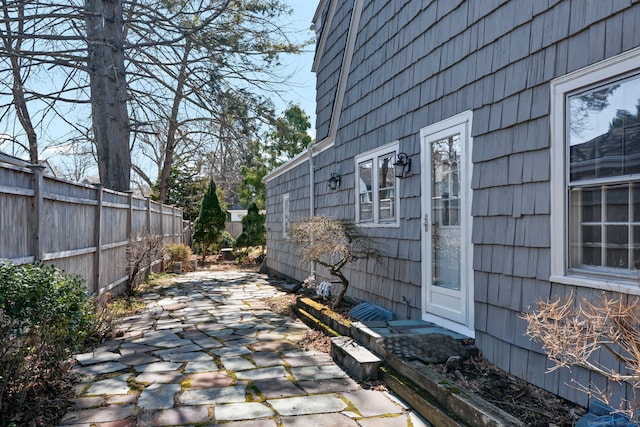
447, 272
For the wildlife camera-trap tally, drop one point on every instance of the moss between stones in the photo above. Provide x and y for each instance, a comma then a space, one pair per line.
325, 315
326, 311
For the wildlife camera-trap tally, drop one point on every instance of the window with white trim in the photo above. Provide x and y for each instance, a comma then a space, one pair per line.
596, 170
377, 201
285, 215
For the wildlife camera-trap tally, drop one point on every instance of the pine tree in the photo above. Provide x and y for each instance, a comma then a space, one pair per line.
254, 232
210, 223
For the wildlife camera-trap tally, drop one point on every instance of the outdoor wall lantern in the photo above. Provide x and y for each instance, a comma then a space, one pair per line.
334, 181
402, 166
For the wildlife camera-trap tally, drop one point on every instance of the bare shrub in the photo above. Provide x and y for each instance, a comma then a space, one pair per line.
574, 332
142, 252
332, 244
177, 252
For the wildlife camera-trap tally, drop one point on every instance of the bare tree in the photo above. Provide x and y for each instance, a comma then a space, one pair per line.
142, 252
36, 39
154, 72
77, 163
13, 45
194, 94
333, 244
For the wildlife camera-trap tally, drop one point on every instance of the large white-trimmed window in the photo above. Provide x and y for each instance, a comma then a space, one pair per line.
595, 181
377, 201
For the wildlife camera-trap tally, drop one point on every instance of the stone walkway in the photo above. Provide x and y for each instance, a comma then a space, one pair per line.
209, 352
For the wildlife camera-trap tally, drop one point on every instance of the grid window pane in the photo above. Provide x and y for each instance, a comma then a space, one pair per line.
636, 201
365, 176
636, 247
618, 203
617, 246
386, 187
591, 245
591, 204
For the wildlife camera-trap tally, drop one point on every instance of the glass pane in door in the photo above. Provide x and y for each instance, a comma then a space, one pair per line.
445, 212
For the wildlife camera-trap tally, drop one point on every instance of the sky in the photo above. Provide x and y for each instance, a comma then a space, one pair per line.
304, 92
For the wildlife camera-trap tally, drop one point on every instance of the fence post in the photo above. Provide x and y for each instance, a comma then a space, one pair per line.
97, 238
130, 214
174, 229
129, 235
161, 206
148, 227
38, 212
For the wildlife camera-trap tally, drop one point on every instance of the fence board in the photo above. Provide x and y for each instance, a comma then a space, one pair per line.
82, 229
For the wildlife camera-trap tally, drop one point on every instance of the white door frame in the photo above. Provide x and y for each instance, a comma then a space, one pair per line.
458, 124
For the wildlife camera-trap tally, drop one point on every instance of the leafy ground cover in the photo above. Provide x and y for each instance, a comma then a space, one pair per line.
45, 316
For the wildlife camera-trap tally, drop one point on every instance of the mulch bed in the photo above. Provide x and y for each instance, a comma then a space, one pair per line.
530, 404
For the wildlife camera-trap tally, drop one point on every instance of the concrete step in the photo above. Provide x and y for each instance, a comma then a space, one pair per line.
359, 362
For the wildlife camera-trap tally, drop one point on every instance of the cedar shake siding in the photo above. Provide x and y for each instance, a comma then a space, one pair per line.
414, 64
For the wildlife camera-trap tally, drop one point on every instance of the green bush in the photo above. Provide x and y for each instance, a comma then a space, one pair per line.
253, 229
45, 317
226, 240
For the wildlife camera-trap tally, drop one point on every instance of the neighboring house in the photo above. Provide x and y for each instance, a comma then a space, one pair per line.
520, 119
234, 221
48, 168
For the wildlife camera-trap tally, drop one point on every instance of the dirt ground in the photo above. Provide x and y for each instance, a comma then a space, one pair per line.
533, 405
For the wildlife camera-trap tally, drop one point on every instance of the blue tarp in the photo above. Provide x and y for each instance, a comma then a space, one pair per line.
600, 415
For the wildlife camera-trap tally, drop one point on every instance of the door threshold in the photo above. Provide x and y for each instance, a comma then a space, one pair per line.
448, 324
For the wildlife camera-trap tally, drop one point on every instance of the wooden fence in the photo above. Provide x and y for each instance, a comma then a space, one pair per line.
82, 229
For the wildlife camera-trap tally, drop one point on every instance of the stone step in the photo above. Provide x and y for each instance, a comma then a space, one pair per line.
336, 322
359, 362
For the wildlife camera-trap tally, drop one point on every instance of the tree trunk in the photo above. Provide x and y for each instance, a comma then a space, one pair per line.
345, 285
110, 117
170, 147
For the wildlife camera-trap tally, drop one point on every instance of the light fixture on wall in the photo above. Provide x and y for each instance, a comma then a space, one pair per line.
402, 166
334, 181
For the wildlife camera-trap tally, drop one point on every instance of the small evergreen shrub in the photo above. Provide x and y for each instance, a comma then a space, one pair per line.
45, 317
253, 229
226, 240
210, 222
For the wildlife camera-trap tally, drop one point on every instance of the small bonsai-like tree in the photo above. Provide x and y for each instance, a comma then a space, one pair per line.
142, 252
210, 222
254, 232
333, 244
574, 333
